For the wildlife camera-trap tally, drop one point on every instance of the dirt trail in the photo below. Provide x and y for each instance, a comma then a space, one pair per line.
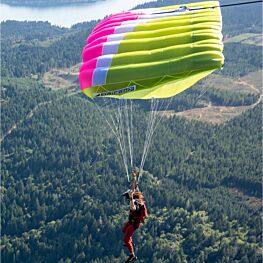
31, 114
244, 83
28, 116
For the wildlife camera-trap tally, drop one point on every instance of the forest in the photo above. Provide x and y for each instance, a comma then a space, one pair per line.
62, 177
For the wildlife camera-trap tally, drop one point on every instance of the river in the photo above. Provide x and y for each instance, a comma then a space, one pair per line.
67, 15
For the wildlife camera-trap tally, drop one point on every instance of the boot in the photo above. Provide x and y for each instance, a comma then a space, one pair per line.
131, 258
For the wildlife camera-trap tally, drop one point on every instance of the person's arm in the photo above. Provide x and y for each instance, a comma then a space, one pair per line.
132, 205
134, 183
136, 186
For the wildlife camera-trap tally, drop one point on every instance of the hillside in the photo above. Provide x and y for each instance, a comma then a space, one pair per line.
57, 185
61, 170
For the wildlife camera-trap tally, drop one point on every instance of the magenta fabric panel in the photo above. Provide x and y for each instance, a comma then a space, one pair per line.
85, 78
92, 52
97, 41
116, 22
99, 34
116, 17
91, 64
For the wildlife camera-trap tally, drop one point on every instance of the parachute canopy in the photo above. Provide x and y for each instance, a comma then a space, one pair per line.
152, 53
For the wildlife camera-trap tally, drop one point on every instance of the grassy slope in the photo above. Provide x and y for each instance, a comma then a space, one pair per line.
247, 38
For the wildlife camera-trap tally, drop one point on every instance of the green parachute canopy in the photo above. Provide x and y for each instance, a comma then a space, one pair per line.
152, 53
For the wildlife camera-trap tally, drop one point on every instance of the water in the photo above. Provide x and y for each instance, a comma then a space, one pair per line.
68, 15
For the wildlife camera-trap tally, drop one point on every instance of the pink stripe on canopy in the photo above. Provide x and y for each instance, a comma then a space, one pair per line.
111, 22
116, 21
99, 34
115, 17
85, 78
92, 52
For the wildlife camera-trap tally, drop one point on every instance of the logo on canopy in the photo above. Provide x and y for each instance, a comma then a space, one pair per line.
116, 92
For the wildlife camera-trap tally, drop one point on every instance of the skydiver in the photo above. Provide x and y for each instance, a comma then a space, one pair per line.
138, 212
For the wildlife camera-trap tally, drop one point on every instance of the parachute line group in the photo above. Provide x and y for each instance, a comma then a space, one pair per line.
118, 114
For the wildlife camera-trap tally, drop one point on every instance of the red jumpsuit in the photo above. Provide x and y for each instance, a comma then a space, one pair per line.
135, 218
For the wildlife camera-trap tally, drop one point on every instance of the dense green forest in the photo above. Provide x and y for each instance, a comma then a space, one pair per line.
61, 171
61, 186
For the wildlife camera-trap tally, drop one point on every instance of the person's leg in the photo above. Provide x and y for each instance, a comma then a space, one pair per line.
125, 227
129, 230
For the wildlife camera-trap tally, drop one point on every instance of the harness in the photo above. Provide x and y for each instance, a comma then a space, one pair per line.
136, 215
